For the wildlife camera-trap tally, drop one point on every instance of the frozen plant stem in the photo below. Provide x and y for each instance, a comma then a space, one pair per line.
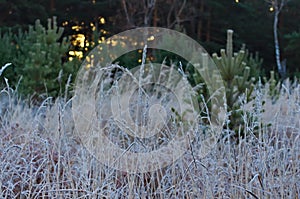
4, 67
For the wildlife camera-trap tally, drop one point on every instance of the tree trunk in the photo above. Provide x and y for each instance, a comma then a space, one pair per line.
281, 66
276, 42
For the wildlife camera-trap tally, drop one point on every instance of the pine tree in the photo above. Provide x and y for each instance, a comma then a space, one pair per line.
40, 59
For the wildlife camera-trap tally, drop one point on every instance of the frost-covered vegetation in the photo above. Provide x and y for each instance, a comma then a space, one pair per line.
256, 156
41, 157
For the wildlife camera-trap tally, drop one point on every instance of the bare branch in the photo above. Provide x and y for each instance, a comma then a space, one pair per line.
169, 15
126, 11
148, 8
177, 15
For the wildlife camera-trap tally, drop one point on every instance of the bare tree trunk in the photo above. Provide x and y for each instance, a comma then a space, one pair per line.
276, 42
278, 5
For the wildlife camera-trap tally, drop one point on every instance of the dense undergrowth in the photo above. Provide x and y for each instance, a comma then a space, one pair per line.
41, 157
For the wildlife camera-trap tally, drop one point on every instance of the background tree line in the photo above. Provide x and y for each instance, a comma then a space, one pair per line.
203, 20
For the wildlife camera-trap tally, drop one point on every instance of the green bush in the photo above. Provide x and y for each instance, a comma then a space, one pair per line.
39, 57
7, 47
239, 70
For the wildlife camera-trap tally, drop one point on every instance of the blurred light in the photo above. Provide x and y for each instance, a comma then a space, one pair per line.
101, 20
88, 66
78, 54
79, 40
93, 1
237, 1
66, 23
123, 44
271, 9
114, 42
100, 41
88, 59
151, 38
103, 31
77, 28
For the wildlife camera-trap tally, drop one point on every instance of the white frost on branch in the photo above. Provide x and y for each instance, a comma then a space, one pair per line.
4, 67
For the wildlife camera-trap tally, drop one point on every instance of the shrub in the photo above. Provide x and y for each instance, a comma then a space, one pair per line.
40, 59
239, 71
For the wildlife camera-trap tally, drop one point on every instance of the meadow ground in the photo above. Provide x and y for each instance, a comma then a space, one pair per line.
40, 156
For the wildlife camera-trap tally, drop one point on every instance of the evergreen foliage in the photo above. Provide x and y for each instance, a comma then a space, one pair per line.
8, 48
235, 71
39, 59
239, 71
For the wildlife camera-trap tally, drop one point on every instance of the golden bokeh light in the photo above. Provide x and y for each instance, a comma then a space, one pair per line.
101, 20
76, 28
79, 40
151, 38
78, 54
84, 42
103, 31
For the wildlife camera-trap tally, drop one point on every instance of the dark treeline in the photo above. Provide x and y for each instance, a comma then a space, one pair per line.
204, 20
